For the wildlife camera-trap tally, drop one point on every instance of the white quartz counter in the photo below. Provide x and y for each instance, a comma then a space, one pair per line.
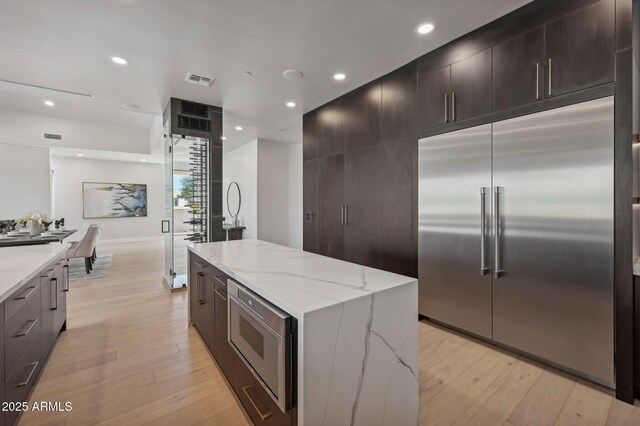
19, 264
297, 281
357, 339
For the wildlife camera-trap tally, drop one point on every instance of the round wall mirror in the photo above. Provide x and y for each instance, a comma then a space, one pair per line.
234, 200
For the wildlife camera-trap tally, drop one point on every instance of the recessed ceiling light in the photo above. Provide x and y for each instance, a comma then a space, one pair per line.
339, 76
291, 104
80, 155
292, 74
239, 128
224, 138
425, 28
144, 160
49, 103
119, 61
131, 107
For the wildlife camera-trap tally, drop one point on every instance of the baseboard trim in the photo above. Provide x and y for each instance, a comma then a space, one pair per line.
130, 240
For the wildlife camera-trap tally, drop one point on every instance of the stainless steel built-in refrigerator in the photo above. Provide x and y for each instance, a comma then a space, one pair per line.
516, 234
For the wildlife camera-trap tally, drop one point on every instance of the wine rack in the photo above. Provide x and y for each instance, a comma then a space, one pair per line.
198, 165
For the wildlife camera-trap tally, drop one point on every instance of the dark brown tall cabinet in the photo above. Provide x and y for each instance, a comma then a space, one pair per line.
362, 175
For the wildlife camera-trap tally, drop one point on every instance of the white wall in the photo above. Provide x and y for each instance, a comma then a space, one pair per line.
241, 165
269, 174
27, 129
26, 181
69, 173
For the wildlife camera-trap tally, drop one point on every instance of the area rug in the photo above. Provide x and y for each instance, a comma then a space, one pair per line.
101, 268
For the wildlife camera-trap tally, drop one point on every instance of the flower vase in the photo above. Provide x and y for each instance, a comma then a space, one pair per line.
35, 228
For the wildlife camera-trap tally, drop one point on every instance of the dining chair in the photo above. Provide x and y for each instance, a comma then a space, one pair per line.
86, 247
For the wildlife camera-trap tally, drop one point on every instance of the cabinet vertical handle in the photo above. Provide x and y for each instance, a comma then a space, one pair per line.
342, 215
198, 292
496, 231
264, 416
483, 231
453, 106
65, 287
549, 76
346, 214
446, 107
537, 80
54, 294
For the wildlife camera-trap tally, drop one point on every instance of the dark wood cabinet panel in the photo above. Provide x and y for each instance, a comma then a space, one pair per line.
47, 314
471, 86
581, 48
398, 89
309, 146
255, 399
60, 287
397, 231
310, 205
330, 204
330, 128
222, 350
201, 298
518, 70
362, 117
433, 86
363, 197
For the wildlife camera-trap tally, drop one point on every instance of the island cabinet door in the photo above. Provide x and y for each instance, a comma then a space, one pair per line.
200, 301
255, 399
362, 208
61, 285
222, 350
580, 49
331, 206
518, 67
47, 312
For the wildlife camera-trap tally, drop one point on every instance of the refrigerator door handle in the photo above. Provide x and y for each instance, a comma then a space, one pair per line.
483, 231
496, 231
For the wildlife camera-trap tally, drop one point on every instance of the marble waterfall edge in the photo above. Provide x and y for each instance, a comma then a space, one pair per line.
360, 361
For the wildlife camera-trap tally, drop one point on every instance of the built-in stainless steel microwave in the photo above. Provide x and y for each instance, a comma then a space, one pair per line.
260, 333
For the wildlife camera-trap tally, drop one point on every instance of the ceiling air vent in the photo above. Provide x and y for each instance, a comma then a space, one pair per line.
52, 136
199, 80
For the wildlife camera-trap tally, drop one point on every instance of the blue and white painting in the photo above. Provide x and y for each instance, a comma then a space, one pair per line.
103, 200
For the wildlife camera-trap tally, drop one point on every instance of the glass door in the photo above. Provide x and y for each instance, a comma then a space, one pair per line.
186, 202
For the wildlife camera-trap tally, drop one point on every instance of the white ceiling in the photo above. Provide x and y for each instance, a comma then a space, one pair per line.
67, 44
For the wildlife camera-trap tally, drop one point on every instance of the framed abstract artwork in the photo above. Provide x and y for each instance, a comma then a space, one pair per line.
104, 200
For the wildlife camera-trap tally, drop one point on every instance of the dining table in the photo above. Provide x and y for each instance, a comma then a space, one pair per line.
24, 239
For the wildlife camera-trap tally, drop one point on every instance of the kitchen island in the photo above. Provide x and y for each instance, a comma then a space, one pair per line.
355, 335
34, 280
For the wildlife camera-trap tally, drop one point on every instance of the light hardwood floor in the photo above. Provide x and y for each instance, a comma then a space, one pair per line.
128, 358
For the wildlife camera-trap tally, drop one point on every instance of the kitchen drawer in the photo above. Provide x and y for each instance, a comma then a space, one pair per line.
255, 399
19, 298
20, 382
21, 331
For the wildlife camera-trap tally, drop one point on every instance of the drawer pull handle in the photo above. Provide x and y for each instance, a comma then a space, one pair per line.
28, 294
33, 365
264, 416
54, 294
33, 322
48, 273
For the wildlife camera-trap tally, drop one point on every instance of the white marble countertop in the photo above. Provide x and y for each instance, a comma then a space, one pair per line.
298, 282
636, 268
19, 264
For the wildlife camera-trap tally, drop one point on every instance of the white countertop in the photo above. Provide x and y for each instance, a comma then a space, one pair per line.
294, 280
19, 264
636, 268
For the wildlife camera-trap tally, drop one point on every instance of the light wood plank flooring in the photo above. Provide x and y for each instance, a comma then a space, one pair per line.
128, 358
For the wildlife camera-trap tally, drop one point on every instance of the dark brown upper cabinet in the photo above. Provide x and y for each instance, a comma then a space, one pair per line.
518, 67
331, 206
398, 90
580, 49
363, 203
471, 86
434, 86
330, 128
362, 117
309, 146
